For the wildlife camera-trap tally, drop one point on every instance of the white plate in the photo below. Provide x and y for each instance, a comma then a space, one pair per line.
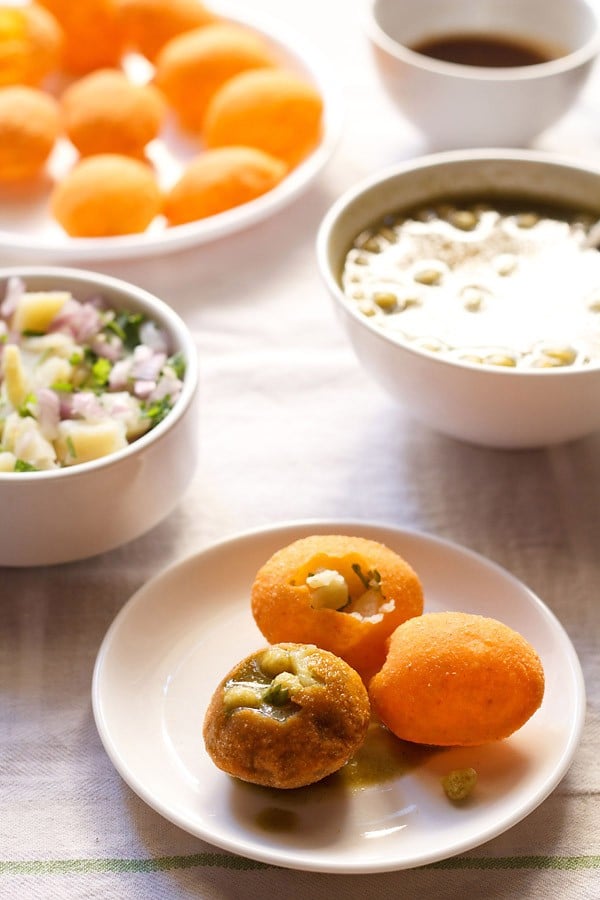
174, 640
26, 226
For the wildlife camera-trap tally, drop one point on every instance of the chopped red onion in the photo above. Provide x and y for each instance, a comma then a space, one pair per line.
15, 288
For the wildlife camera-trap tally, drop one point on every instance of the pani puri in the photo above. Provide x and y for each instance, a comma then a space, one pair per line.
219, 180
456, 679
344, 594
106, 195
104, 112
147, 25
271, 109
91, 31
31, 43
29, 127
192, 67
286, 716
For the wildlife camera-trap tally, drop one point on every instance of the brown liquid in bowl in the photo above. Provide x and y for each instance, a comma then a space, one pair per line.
491, 51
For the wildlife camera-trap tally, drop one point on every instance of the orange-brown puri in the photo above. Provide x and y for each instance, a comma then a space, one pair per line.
218, 180
31, 43
29, 127
107, 195
287, 716
345, 594
193, 66
271, 109
92, 37
104, 112
456, 679
147, 25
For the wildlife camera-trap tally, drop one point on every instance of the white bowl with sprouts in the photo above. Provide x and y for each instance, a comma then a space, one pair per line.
468, 283
98, 424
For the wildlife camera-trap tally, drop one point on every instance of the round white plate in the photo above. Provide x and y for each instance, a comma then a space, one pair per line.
26, 226
170, 645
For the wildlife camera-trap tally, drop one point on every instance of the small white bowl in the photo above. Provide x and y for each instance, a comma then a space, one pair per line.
66, 514
487, 405
457, 105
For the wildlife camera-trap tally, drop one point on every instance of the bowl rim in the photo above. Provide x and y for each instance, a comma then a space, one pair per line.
565, 63
154, 305
432, 160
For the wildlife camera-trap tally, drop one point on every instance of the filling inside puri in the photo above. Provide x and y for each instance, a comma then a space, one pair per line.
269, 681
347, 584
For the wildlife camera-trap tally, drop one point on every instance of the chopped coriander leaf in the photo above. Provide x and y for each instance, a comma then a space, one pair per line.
76, 358
126, 326
3, 338
25, 409
371, 580
22, 466
157, 410
277, 695
63, 387
113, 325
100, 372
177, 363
31, 332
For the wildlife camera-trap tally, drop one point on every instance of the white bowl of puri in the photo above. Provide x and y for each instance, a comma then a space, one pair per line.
468, 283
98, 429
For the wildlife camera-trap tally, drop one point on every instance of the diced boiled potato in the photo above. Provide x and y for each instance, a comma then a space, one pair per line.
80, 441
122, 406
55, 342
240, 695
328, 589
52, 371
23, 438
36, 310
15, 377
7, 461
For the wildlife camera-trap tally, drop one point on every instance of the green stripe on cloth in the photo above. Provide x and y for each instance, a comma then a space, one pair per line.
226, 861
518, 862
159, 863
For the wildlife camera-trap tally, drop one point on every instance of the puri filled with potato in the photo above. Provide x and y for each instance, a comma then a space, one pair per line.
345, 594
287, 716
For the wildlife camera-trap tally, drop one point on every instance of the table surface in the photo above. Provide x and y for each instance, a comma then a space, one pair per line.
291, 428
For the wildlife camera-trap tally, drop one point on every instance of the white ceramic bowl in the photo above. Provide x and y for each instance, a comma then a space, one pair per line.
457, 105
67, 514
493, 406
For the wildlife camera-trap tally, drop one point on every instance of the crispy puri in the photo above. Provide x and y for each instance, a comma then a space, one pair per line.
147, 25
105, 112
271, 109
286, 716
29, 127
92, 36
193, 66
456, 679
218, 180
31, 44
107, 195
345, 594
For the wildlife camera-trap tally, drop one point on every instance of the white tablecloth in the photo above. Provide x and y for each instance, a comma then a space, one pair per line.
292, 428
